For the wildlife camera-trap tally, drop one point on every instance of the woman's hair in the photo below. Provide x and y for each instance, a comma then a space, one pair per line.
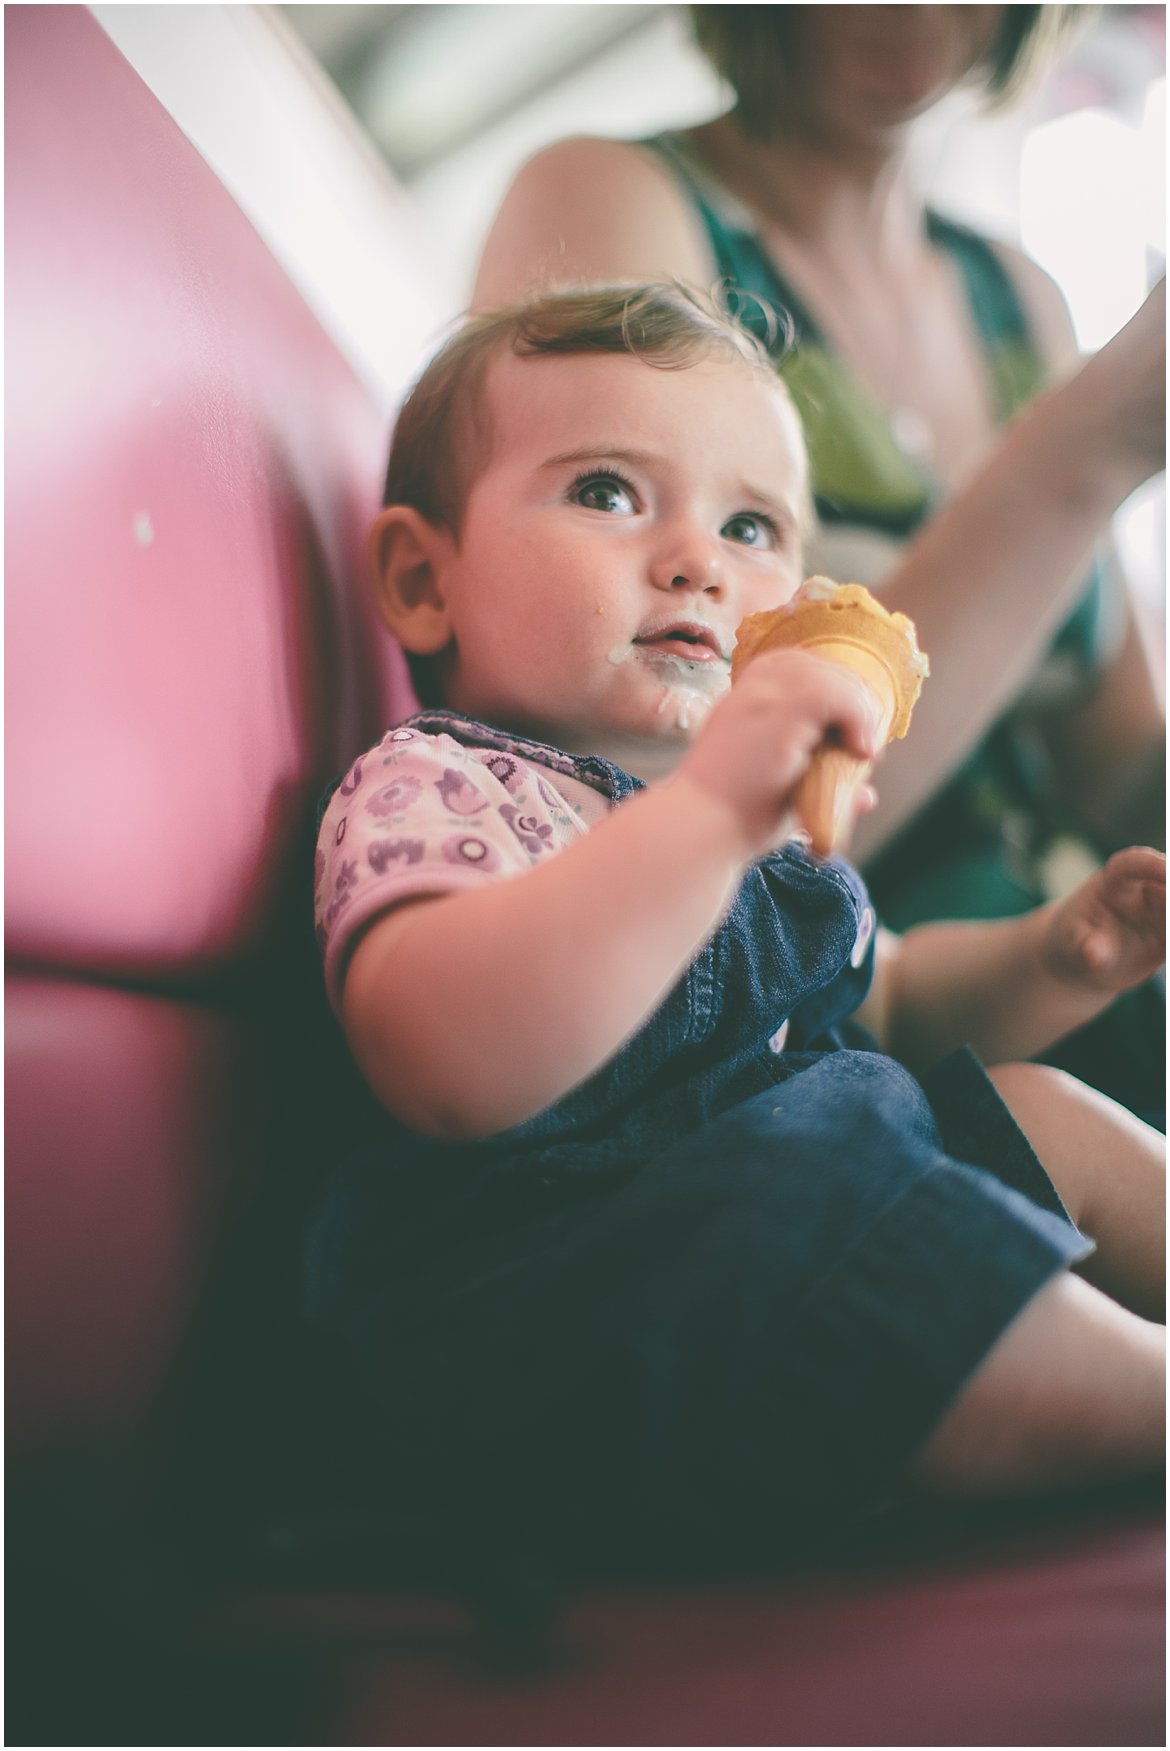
442, 437
748, 45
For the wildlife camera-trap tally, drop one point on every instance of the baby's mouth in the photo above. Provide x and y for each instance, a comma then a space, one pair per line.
690, 641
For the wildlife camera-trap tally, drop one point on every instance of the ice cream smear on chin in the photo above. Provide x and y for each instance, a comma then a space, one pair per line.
690, 686
841, 623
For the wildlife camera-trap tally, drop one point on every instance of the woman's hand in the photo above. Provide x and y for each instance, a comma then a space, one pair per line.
756, 745
1111, 933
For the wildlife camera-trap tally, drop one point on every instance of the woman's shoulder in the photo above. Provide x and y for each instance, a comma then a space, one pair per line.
591, 209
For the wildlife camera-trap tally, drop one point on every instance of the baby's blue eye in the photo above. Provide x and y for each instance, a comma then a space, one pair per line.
603, 492
751, 529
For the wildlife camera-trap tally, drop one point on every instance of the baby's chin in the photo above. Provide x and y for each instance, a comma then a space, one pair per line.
648, 757
645, 728
681, 697
649, 742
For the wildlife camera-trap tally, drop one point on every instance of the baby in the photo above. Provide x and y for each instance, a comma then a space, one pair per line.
695, 1219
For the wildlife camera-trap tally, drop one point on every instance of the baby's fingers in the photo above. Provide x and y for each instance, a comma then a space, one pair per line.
1138, 865
1135, 890
853, 715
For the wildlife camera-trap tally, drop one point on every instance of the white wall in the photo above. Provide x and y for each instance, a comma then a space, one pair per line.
270, 124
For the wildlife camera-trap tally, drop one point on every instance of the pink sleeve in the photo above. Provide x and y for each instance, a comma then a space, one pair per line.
421, 814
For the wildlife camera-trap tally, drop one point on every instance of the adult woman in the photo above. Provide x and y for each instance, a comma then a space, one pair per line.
1041, 736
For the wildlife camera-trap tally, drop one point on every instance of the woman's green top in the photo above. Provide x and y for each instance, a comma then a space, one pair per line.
995, 840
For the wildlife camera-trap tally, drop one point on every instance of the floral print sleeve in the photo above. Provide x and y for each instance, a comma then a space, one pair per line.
423, 814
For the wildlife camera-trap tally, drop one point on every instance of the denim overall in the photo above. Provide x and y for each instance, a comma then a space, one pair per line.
720, 1292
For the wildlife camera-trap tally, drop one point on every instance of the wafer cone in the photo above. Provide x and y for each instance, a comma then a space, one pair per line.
843, 624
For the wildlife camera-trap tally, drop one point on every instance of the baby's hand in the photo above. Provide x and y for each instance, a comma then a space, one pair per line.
756, 745
1111, 933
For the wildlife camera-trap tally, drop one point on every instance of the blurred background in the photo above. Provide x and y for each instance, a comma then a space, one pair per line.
370, 145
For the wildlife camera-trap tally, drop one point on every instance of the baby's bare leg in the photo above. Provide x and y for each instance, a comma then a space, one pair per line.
1072, 1393
1110, 1171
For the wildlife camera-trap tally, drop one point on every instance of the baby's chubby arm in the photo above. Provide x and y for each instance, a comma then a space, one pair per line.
473, 1011
1010, 987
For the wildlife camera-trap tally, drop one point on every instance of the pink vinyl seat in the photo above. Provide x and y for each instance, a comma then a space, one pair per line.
191, 466
190, 656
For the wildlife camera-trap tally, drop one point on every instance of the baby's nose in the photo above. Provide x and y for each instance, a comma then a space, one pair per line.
692, 562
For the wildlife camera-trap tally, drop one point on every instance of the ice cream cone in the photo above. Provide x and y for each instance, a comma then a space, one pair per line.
826, 795
843, 624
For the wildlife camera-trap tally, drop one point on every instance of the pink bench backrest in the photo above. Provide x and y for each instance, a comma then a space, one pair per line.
190, 655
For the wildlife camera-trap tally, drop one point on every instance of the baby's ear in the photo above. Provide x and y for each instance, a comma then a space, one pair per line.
407, 560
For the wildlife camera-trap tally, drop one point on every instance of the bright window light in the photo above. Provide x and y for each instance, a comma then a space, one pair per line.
1084, 210
1154, 158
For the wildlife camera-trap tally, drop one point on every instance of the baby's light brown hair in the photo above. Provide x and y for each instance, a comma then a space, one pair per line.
442, 438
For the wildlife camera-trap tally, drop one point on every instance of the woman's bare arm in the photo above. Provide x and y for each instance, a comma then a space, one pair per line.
992, 576
1109, 743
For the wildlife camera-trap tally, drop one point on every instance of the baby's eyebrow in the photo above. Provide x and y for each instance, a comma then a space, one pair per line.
601, 452
781, 507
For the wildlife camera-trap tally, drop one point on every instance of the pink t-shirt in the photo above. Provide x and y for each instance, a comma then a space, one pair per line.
423, 814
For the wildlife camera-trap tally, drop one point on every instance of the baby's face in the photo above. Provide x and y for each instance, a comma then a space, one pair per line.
627, 520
